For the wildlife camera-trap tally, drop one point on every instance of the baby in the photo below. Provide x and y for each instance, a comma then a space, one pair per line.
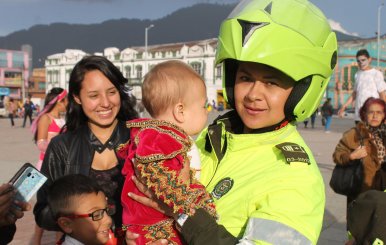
163, 151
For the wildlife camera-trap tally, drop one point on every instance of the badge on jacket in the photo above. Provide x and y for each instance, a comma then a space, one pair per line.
222, 187
293, 153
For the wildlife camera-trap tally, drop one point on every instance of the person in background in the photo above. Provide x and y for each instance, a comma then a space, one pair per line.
305, 122
327, 112
98, 107
277, 58
11, 107
164, 152
10, 212
313, 118
81, 210
367, 220
371, 130
45, 126
369, 82
28, 108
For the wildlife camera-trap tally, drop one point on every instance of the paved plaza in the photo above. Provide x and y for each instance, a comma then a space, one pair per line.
17, 147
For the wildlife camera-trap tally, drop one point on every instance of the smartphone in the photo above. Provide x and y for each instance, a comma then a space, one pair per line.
27, 181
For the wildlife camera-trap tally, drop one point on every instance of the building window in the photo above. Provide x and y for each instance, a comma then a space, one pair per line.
353, 71
18, 60
3, 59
218, 71
12, 74
197, 67
49, 77
127, 71
139, 71
42, 85
68, 74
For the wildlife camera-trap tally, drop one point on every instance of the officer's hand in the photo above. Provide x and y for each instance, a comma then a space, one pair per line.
131, 237
150, 200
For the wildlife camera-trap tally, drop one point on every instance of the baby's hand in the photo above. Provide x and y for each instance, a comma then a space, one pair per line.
185, 174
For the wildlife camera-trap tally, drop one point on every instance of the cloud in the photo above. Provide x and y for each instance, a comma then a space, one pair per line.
336, 26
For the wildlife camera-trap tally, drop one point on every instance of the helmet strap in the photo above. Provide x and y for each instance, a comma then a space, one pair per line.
297, 93
230, 69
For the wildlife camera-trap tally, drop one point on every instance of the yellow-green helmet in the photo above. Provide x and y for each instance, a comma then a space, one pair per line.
292, 36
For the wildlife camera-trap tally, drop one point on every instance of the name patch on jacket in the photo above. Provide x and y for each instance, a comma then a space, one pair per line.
293, 153
222, 187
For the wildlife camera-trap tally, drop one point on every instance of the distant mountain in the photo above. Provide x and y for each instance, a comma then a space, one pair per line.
200, 21
344, 37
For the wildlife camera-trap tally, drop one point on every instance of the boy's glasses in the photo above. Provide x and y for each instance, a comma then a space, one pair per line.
96, 215
361, 60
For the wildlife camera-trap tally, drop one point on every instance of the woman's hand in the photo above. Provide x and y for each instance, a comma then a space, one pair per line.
358, 153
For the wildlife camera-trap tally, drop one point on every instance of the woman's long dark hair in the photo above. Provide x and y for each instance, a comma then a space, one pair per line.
50, 96
75, 116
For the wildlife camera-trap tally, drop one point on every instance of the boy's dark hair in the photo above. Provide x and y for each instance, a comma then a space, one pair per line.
363, 52
65, 188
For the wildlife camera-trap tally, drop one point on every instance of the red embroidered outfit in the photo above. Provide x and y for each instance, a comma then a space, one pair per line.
159, 150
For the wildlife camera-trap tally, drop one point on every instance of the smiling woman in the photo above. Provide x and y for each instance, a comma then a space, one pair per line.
98, 106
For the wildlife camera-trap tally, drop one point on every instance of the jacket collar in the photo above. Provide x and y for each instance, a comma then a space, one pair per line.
111, 143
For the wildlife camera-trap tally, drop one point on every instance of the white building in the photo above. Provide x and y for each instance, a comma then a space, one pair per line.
132, 62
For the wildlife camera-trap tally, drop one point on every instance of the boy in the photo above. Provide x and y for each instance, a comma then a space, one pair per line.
80, 208
162, 150
277, 58
369, 82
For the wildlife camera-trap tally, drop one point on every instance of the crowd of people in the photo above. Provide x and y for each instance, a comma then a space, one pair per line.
248, 178
17, 109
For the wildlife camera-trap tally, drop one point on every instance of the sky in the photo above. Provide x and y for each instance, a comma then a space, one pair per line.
355, 17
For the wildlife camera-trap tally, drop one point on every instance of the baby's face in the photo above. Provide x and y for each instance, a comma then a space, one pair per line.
196, 113
87, 230
260, 95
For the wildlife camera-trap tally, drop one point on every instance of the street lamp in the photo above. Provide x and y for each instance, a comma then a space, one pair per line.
379, 34
146, 30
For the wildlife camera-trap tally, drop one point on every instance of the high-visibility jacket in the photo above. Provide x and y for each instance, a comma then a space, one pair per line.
267, 187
